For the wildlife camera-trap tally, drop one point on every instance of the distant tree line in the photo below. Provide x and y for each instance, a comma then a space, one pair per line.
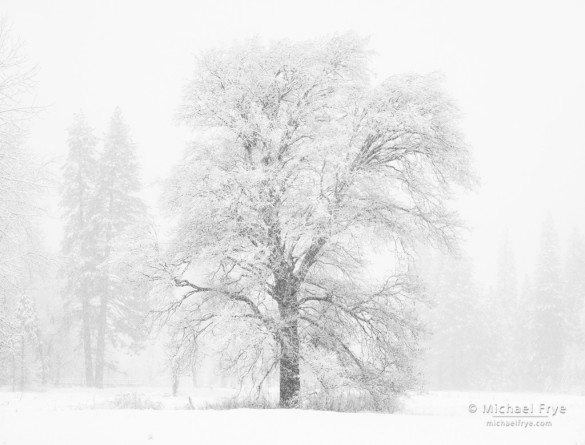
518, 334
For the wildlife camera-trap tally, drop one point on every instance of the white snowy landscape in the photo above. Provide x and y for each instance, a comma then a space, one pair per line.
76, 415
278, 222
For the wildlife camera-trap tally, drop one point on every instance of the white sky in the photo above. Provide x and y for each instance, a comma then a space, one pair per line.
516, 69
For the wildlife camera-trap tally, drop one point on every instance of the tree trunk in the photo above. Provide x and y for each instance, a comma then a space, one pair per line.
43, 358
100, 360
87, 342
13, 371
57, 371
175, 376
290, 378
194, 373
22, 363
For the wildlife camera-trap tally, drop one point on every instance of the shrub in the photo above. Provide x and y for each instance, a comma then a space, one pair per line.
135, 401
235, 403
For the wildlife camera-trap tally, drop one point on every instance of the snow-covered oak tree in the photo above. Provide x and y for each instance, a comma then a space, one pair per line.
302, 170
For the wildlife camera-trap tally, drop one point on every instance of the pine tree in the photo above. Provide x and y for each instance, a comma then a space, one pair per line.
506, 286
548, 321
456, 351
574, 309
81, 260
574, 279
118, 210
524, 319
505, 331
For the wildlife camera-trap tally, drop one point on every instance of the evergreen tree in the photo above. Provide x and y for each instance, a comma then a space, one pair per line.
574, 309
456, 355
525, 333
505, 331
506, 286
574, 280
81, 259
118, 211
548, 321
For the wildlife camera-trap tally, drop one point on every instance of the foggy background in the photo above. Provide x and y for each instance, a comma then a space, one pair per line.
515, 70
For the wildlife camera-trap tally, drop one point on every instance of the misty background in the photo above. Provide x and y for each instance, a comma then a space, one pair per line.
514, 69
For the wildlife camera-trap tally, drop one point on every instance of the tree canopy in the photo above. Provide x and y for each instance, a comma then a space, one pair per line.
302, 167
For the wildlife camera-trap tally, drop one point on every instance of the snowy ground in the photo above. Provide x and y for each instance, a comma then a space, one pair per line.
80, 416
